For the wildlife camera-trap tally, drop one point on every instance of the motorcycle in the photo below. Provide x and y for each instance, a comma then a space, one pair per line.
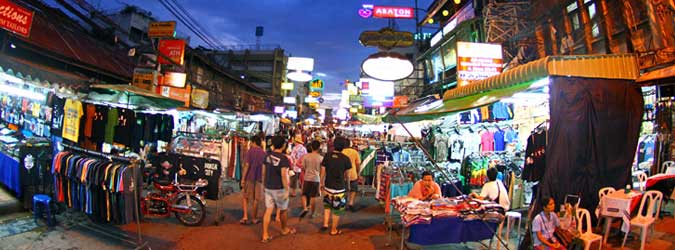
182, 199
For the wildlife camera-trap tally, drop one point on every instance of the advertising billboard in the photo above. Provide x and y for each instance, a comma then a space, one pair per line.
477, 61
376, 93
173, 49
279, 109
15, 18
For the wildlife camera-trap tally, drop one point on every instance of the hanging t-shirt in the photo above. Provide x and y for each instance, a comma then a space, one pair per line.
71, 121
487, 141
99, 123
89, 123
472, 143
457, 149
501, 111
111, 123
535, 161
499, 141
58, 104
126, 122
441, 148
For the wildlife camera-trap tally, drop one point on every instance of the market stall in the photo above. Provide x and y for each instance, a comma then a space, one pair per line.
595, 112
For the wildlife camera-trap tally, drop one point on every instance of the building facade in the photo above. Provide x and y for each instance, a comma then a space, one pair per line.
263, 66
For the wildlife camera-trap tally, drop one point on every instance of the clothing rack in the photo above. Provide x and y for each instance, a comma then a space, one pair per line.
98, 154
100, 228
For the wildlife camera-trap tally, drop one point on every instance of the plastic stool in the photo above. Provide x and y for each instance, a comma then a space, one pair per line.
511, 218
42, 200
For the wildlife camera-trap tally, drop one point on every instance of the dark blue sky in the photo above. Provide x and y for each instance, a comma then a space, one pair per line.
326, 30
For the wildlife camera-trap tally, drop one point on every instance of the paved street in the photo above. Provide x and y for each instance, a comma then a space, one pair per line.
362, 230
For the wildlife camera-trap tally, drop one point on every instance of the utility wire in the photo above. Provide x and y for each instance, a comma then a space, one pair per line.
204, 31
182, 19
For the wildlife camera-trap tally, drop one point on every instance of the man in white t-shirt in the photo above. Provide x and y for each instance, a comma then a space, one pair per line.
494, 190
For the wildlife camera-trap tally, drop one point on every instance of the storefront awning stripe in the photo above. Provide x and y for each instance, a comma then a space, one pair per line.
618, 66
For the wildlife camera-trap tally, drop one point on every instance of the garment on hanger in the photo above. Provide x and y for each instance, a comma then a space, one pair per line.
535, 161
73, 111
487, 141
499, 140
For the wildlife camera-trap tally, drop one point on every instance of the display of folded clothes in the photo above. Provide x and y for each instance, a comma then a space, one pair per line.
414, 211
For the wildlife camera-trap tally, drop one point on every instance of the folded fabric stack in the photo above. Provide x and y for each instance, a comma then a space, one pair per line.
414, 211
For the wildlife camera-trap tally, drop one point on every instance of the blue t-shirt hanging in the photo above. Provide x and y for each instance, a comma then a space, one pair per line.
499, 140
500, 111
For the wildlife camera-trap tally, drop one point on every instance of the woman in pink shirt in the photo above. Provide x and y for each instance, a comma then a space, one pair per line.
426, 188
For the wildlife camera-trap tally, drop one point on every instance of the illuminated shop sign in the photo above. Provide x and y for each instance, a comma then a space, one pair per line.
369, 10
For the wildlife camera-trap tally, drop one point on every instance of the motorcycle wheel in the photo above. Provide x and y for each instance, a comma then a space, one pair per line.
194, 218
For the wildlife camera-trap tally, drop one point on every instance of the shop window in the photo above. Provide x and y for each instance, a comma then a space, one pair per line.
591, 10
572, 7
596, 29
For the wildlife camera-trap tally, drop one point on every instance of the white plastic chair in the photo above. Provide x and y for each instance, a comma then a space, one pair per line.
603, 191
646, 221
642, 181
666, 166
587, 236
510, 220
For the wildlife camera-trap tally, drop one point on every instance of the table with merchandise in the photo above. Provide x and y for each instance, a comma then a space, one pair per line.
448, 220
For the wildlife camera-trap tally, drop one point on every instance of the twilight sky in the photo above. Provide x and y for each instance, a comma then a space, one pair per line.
326, 30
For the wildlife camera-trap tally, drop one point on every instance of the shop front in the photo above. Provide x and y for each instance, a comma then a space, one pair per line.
565, 119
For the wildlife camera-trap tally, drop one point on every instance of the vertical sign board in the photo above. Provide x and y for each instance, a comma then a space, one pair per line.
477, 61
174, 49
15, 18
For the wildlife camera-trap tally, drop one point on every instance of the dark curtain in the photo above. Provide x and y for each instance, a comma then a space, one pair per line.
593, 135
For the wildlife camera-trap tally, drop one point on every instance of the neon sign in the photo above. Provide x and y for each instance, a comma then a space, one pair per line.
369, 10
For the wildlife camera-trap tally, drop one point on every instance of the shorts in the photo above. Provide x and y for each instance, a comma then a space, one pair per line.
276, 197
353, 186
294, 181
253, 190
310, 189
335, 202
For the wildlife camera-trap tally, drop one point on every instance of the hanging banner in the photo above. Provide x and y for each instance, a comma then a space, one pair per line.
15, 18
161, 29
200, 98
174, 49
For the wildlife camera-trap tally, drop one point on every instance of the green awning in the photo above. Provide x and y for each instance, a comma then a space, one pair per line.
460, 104
368, 119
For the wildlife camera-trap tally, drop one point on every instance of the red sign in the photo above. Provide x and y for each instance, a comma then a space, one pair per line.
400, 101
393, 12
15, 18
174, 49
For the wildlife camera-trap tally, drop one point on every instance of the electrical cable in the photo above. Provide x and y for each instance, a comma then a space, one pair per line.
189, 25
205, 31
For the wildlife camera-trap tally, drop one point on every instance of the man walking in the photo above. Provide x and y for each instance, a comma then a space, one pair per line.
353, 176
251, 184
312, 167
275, 180
333, 172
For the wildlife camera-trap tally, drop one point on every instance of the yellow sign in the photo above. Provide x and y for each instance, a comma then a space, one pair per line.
200, 98
161, 29
353, 110
144, 79
315, 94
316, 84
314, 105
287, 85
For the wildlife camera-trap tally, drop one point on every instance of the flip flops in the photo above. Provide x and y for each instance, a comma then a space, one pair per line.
243, 221
266, 240
323, 228
255, 221
290, 231
338, 232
